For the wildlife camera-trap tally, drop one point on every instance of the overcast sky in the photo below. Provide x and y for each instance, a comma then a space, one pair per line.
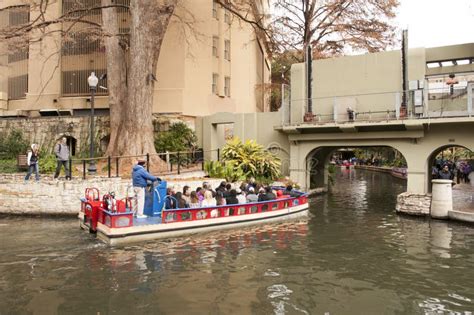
433, 23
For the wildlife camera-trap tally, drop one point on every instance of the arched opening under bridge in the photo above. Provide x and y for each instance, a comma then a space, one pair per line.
453, 162
322, 161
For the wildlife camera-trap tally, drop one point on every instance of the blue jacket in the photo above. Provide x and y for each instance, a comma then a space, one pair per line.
140, 176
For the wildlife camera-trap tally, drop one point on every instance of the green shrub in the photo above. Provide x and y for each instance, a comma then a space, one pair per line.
178, 138
213, 169
225, 170
232, 173
13, 144
47, 163
252, 159
8, 166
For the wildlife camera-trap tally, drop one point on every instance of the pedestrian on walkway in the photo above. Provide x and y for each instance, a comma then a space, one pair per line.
61, 150
445, 173
32, 161
467, 170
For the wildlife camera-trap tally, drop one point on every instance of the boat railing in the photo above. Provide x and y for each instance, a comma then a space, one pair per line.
205, 213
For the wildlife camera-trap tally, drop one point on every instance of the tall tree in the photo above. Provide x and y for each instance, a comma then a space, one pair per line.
150, 19
131, 78
331, 26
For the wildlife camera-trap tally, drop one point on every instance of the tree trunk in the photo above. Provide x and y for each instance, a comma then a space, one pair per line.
149, 21
116, 73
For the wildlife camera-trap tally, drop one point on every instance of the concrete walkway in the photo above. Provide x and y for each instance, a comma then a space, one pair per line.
463, 203
463, 198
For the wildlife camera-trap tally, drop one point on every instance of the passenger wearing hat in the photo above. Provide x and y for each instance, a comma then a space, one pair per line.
251, 196
139, 178
241, 196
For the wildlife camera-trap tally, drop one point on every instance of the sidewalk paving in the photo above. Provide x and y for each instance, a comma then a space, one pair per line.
463, 198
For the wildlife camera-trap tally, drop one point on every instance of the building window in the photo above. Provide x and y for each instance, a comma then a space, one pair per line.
227, 12
81, 51
215, 78
215, 44
17, 53
227, 50
227, 16
227, 86
214, 10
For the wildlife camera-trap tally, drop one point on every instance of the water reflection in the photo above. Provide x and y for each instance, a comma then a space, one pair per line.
441, 235
354, 255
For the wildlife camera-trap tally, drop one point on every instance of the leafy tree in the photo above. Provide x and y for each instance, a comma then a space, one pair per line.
331, 26
13, 144
178, 138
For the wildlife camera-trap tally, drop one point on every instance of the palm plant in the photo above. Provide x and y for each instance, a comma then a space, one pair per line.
252, 159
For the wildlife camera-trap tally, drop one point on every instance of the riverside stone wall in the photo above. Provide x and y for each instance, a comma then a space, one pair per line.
45, 131
62, 197
414, 204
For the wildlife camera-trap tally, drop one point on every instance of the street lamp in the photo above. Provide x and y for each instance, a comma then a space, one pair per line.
93, 81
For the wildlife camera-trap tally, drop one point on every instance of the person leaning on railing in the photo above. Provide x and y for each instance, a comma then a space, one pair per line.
139, 178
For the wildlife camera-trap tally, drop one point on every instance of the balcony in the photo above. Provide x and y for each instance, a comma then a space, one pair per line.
379, 111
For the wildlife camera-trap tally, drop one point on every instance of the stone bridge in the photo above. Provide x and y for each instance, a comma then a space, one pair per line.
419, 141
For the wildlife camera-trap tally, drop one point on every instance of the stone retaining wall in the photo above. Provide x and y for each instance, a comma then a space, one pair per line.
45, 131
62, 197
414, 204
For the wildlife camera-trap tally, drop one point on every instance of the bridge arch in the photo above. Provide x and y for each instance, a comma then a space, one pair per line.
434, 153
317, 163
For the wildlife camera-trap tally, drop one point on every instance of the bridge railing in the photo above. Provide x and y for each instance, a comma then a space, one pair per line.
387, 106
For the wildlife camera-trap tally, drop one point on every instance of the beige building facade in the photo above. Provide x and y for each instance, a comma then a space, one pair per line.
210, 62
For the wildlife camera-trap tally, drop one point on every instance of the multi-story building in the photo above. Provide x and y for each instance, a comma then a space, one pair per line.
209, 62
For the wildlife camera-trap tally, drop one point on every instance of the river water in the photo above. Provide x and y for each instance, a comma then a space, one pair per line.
354, 255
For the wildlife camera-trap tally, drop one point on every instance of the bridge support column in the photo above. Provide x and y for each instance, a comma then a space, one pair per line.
298, 167
442, 200
416, 181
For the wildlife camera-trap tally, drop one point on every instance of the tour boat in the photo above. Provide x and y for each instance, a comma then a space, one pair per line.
114, 222
346, 164
399, 172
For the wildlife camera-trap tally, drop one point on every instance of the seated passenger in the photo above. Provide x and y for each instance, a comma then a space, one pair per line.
232, 199
221, 187
262, 196
290, 192
200, 193
241, 196
206, 186
181, 203
220, 200
208, 201
194, 200
270, 194
186, 194
227, 190
251, 196
170, 201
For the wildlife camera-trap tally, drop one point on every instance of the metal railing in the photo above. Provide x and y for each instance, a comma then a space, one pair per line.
387, 106
158, 164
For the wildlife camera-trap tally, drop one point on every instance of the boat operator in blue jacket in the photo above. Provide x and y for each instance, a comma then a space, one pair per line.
139, 178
